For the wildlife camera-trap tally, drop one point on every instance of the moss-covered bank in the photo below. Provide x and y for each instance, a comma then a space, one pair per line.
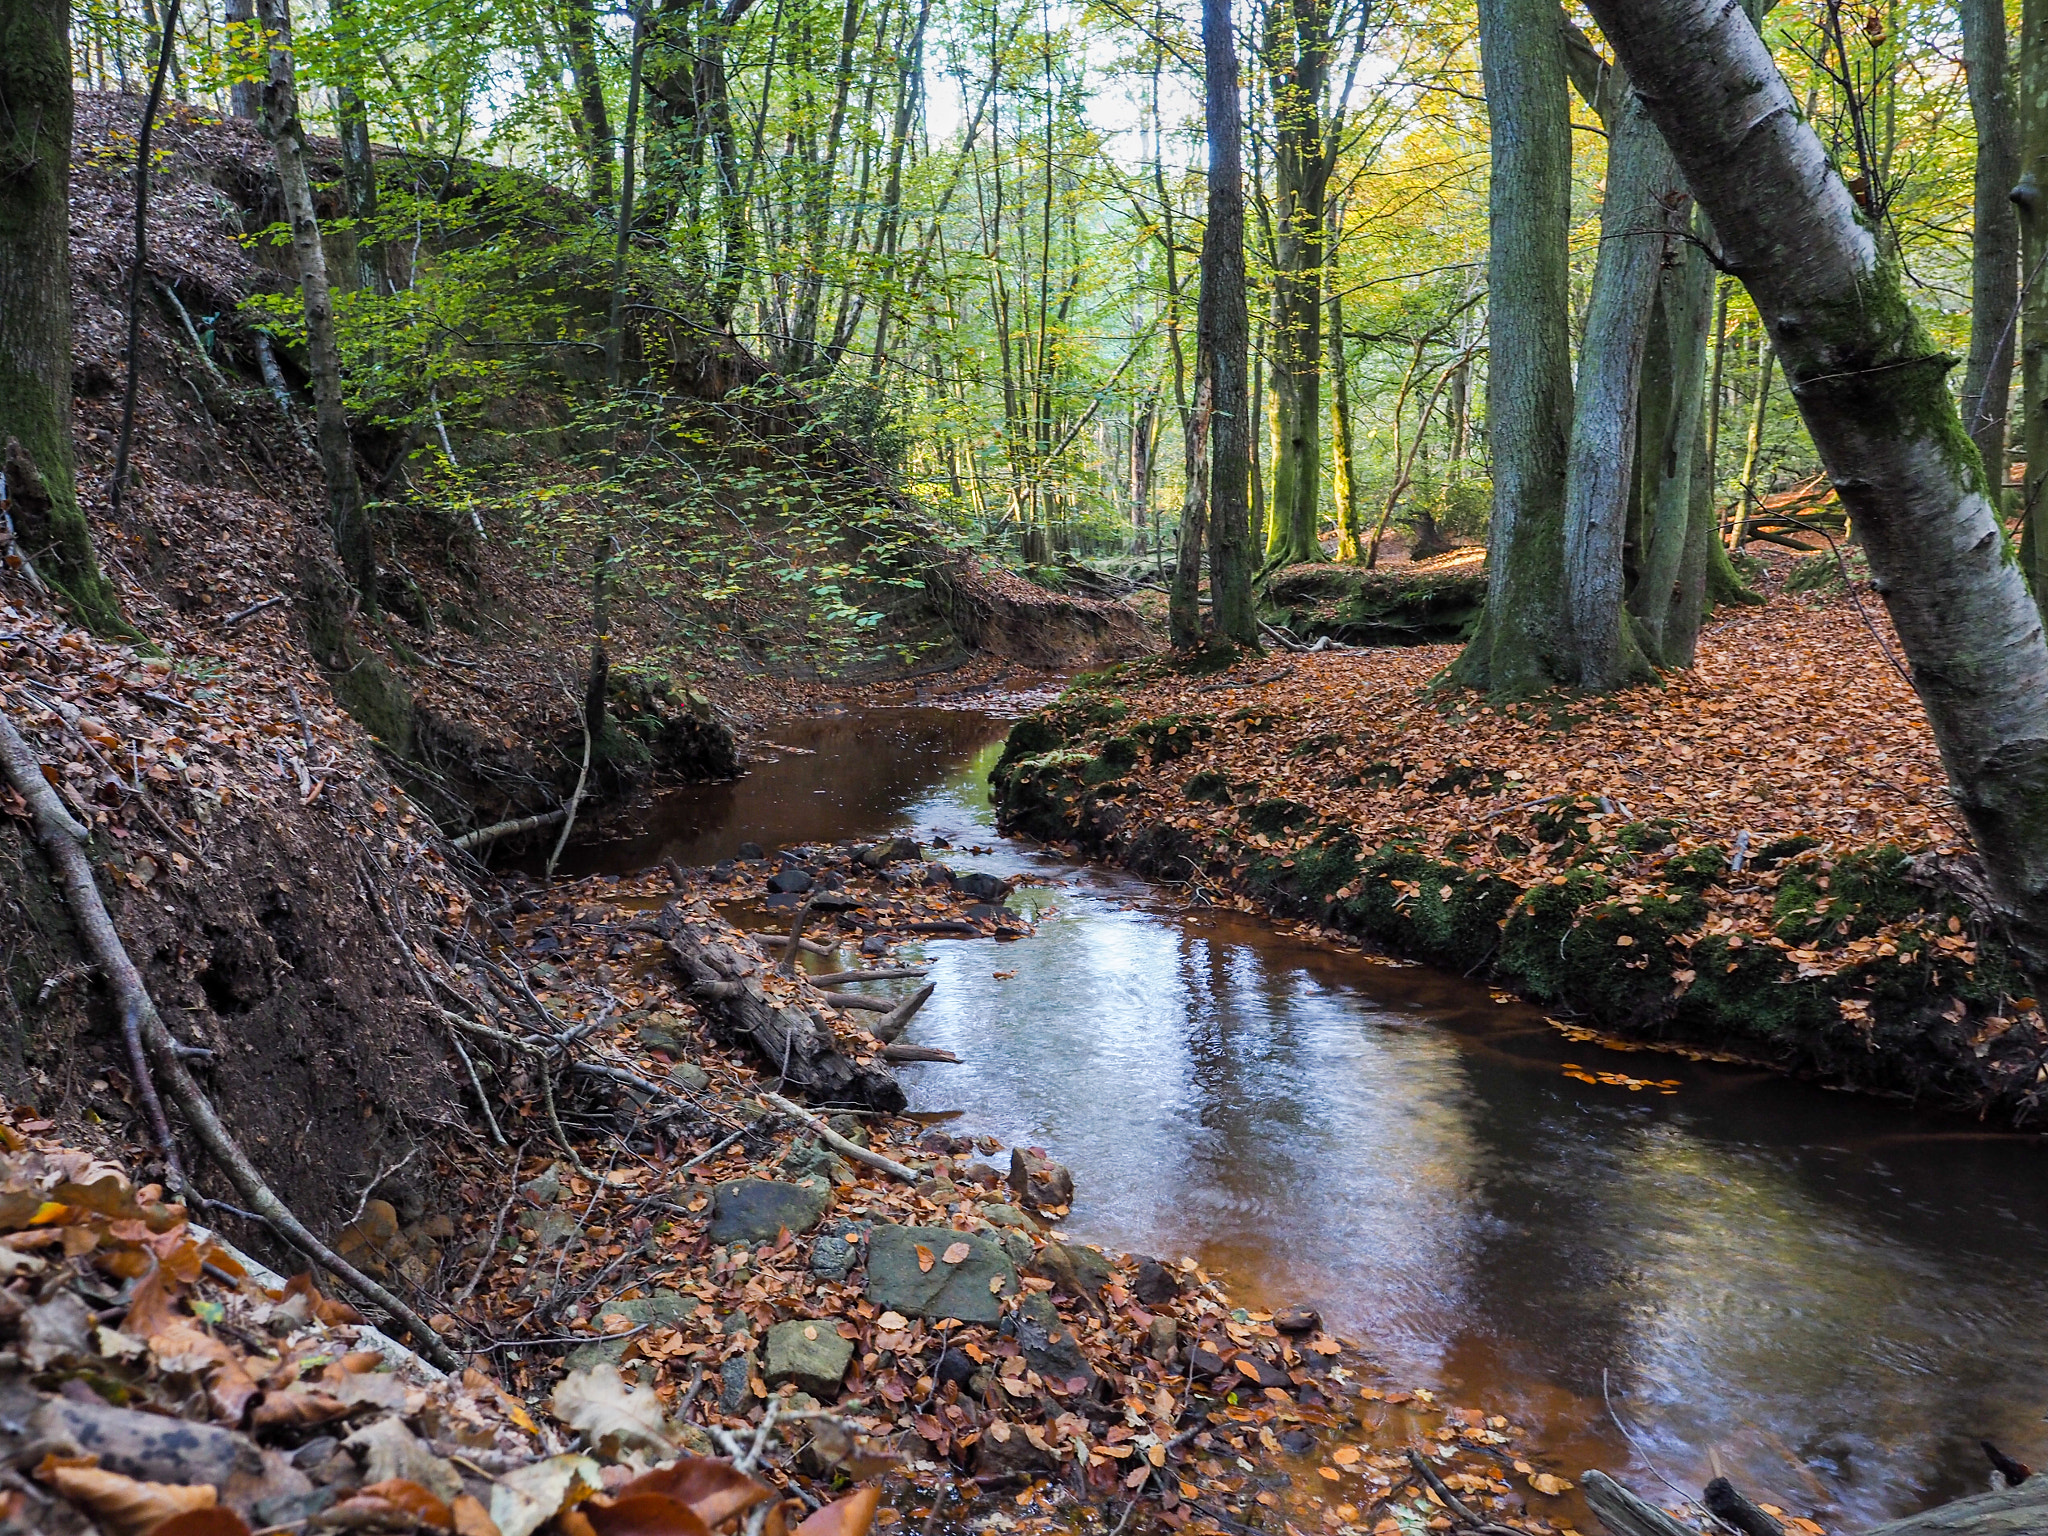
1867, 969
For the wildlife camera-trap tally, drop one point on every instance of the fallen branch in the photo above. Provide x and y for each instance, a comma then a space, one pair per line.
856, 1001
576, 799
484, 836
1458, 1511
890, 973
903, 1050
252, 610
888, 1028
96, 927
787, 964
808, 946
852, 1150
1624, 1513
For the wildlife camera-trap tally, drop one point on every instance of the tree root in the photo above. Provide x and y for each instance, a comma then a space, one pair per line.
58, 834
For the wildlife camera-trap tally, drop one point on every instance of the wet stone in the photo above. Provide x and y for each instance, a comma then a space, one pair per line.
756, 1210
751, 851
1039, 1179
662, 1309
734, 1384
1048, 1345
1156, 1285
981, 886
1075, 1269
790, 882
809, 1352
972, 1290
1297, 1320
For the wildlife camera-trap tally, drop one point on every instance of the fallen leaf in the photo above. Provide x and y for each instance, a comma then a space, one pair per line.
850, 1516
217, 1521
924, 1259
714, 1490
612, 1417
125, 1506
643, 1514
1550, 1483
955, 1253
526, 1498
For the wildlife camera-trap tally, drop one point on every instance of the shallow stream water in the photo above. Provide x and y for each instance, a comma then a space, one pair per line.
1828, 1298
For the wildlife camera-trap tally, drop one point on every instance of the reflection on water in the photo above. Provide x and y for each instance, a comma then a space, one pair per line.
1835, 1299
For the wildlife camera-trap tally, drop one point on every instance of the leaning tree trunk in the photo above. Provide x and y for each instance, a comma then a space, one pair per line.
35, 309
1995, 238
1870, 386
1645, 197
1523, 645
1224, 326
347, 519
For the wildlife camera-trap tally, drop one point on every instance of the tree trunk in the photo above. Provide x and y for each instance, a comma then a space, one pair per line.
1343, 467
593, 122
1870, 387
347, 520
245, 96
1522, 645
1225, 330
358, 171
35, 310
1995, 241
1184, 599
1643, 199
1673, 448
2031, 198
1752, 448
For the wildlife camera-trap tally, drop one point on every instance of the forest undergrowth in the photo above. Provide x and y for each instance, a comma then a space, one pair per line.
1756, 857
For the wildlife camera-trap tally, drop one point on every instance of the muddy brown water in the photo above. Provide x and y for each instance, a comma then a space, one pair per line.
1828, 1298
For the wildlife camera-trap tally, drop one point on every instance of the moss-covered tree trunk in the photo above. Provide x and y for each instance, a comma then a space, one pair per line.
1297, 60
1871, 388
41, 494
1523, 643
347, 519
1672, 441
1995, 233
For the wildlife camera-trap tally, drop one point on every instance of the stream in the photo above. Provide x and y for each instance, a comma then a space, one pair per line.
1827, 1298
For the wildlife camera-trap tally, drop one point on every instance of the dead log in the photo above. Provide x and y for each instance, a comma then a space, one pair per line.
888, 1028
903, 1050
795, 1043
2021, 1511
1726, 1503
1624, 1514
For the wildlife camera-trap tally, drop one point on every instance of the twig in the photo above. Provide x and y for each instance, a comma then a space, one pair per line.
497, 1232
135, 273
483, 836
575, 800
252, 610
712, 1151
1450, 1500
483, 1101
363, 1201
787, 964
839, 1143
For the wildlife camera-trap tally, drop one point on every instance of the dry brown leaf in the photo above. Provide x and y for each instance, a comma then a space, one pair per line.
643, 1514
217, 1521
850, 1516
714, 1489
956, 1252
611, 1416
925, 1259
1550, 1483
125, 1506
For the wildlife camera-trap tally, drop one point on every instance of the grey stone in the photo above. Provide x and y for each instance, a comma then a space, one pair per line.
982, 886
1048, 1345
1156, 1284
832, 1258
751, 851
1077, 1270
689, 1077
1018, 1246
809, 1352
144, 1445
971, 1290
547, 1229
659, 1033
734, 1384
756, 1210
806, 1158
662, 1309
790, 882
545, 1190
1039, 1179
1162, 1339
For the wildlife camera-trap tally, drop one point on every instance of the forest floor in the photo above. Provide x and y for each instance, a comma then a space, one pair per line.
1757, 857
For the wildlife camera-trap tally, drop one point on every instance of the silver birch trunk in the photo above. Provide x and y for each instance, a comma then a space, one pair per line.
1870, 386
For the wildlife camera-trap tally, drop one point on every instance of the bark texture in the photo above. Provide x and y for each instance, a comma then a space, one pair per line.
347, 520
1523, 643
2030, 196
41, 494
1870, 387
1995, 237
1225, 330
1645, 197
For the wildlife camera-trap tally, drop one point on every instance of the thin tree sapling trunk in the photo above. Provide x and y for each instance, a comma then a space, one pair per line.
1995, 234
347, 519
1225, 329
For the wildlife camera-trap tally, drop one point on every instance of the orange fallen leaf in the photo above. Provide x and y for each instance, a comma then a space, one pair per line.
925, 1259
850, 1516
125, 1506
955, 1253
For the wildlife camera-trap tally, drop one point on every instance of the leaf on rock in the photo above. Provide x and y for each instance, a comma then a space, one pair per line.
955, 1253
924, 1259
124, 1506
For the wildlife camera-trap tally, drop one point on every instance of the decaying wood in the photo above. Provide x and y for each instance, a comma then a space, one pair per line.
57, 833
857, 1002
881, 973
903, 1050
794, 1042
848, 1149
891, 1026
1626, 1515
1725, 1503
808, 946
2021, 1511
